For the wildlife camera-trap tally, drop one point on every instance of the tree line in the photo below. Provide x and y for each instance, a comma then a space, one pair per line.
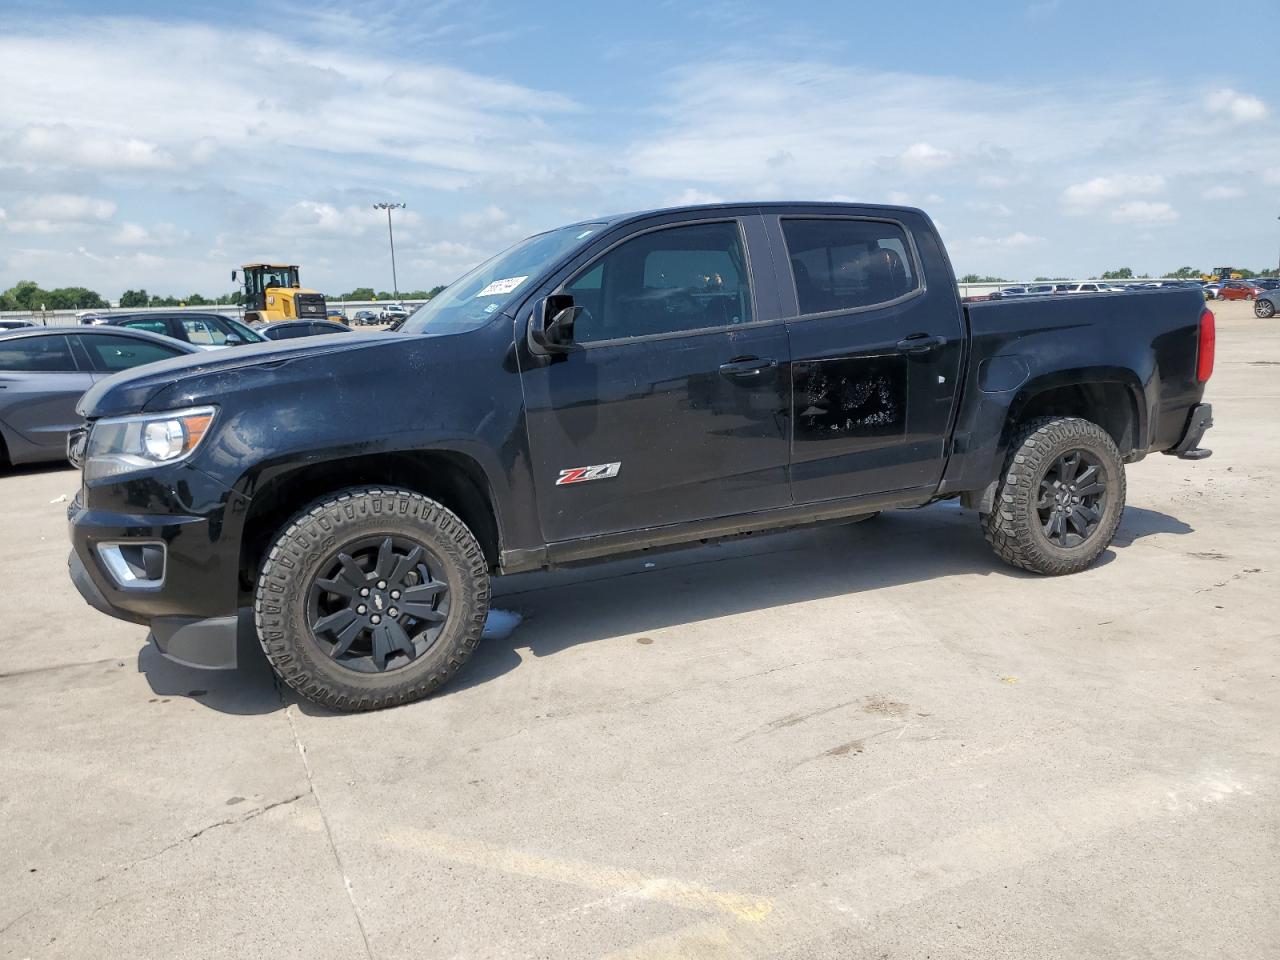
27, 295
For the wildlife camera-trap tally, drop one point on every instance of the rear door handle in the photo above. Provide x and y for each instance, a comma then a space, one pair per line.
747, 367
919, 343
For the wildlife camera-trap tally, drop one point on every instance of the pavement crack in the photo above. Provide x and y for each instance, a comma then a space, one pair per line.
229, 821
10, 674
324, 819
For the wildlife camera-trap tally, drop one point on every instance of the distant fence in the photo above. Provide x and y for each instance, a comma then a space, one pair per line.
50, 318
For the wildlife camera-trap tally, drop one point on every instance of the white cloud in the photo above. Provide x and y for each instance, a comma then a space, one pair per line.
188, 94
348, 221
901, 198
65, 208
692, 195
1144, 211
1081, 197
490, 216
54, 213
1222, 192
1013, 241
990, 208
1240, 107
136, 235
925, 157
61, 145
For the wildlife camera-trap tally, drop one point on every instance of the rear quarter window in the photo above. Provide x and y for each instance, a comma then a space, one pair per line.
840, 264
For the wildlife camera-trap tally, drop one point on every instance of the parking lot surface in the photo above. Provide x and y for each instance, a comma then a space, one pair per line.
860, 741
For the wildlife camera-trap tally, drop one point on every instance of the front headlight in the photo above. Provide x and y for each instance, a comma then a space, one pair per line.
123, 444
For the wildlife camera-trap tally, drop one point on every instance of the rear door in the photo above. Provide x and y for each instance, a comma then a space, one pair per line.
671, 405
875, 352
40, 382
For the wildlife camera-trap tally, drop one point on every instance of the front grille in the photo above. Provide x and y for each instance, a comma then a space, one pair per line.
309, 304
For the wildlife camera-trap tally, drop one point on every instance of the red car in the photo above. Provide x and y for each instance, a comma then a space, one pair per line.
1238, 290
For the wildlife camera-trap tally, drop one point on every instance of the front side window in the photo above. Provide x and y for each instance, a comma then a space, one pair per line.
36, 355
847, 264
681, 278
110, 353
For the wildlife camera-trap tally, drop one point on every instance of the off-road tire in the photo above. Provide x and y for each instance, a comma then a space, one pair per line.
1014, 528
280, 600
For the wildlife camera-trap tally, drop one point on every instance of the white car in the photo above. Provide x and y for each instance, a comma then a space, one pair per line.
1092, 286
393, 311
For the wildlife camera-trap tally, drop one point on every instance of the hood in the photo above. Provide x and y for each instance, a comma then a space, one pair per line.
130, 391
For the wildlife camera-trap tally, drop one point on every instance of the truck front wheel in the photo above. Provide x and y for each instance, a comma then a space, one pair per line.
1059, 501
371, 598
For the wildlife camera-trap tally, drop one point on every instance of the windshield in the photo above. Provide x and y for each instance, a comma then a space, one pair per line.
469, 302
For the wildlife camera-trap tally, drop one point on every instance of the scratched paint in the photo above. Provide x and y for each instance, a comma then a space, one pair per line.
854, 398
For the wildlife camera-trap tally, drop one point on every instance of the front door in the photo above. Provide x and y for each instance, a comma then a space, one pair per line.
875, 358
671, 405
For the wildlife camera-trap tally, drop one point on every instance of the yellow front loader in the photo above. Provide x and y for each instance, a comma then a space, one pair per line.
272, 292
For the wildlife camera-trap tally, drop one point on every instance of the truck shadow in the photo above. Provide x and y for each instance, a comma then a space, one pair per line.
563, 608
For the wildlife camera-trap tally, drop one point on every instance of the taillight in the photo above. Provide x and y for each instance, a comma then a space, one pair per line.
1208, 336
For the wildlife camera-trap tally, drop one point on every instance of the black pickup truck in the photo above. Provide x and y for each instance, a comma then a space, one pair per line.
616, 385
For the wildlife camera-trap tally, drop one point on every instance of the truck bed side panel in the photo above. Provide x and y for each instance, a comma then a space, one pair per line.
1147, 342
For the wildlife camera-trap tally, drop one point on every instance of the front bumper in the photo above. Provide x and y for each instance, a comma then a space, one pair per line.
1199, 420
192, 607
205, 642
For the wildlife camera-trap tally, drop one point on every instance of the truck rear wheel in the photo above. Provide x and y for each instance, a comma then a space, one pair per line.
1059, 501
371, 598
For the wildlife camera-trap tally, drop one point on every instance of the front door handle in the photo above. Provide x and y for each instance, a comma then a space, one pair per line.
919, 343
747, 367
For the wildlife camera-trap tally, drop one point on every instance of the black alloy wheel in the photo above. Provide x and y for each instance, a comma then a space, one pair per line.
375, 605
1072, 498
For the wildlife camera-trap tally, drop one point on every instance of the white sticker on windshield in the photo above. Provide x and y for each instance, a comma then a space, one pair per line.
499, 287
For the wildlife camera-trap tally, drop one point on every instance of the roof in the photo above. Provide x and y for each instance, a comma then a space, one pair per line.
269, 266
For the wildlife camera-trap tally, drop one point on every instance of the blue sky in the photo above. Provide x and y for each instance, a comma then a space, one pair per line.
146, 146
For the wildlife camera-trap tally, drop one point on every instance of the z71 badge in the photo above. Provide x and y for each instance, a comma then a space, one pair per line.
601, 471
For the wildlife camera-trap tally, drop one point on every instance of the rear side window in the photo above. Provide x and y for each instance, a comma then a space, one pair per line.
846, 264
666, 281
37, 355
120, 353
157, 325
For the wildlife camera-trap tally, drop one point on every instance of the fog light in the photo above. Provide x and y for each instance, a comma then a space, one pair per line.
134, 565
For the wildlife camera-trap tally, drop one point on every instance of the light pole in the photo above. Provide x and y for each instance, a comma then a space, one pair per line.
395, 287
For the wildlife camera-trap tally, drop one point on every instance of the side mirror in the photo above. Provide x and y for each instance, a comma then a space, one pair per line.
551, 326
233, 275
233, 340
